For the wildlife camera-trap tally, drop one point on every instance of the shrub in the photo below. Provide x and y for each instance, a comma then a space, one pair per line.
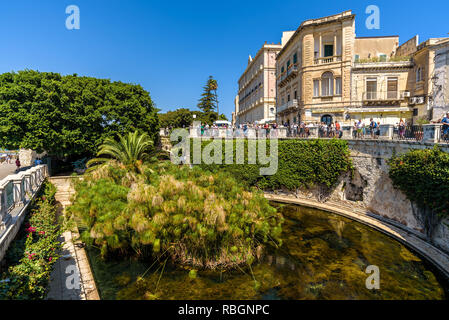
197, 218
301, 164
423, 176
34, 252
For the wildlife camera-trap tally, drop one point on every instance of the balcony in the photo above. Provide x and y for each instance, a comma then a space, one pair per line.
326, 60
382, 97
286, 76
289, 105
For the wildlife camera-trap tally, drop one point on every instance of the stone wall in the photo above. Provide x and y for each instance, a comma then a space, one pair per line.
370, 187
27, 157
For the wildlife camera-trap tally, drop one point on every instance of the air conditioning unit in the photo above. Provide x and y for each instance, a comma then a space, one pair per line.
419, 100
405, 94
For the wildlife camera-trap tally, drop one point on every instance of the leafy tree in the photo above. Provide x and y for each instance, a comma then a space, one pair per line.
70, 116
177, 119
130, 150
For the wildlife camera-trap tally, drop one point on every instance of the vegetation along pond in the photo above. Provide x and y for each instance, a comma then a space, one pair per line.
323, 256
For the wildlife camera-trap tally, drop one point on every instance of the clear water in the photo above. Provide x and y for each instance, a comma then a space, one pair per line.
324, 256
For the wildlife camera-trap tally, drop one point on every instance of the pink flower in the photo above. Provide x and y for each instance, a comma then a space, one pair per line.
49, 259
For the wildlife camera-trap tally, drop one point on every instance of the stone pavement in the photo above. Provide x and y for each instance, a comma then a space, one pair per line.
72, 277
6, 169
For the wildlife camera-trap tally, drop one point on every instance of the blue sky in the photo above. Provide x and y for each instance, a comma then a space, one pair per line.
171, 47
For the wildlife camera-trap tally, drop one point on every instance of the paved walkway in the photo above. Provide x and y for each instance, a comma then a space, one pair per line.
73, 267
6, 169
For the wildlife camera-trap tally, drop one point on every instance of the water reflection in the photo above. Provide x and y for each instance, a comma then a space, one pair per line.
323, 256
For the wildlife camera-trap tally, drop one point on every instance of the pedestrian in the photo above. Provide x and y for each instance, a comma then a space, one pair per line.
17, 165
445, 122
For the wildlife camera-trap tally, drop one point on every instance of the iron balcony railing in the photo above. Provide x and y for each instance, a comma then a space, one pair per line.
381, 95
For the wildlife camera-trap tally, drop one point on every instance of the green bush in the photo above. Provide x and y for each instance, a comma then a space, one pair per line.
33, 253
196, 218
301, 164
423, 176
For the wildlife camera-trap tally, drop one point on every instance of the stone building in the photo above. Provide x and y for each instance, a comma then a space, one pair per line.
421, 78
313, 70
257, 86
325, 73
440, 80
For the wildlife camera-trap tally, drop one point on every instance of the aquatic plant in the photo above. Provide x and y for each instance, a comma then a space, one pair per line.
200, 219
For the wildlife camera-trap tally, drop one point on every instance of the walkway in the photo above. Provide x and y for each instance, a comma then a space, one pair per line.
73, 263
6, 169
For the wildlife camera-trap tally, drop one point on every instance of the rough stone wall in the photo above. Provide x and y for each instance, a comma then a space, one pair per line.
370, 187
27, 157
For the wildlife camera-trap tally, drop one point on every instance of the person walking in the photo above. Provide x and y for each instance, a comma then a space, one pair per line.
17, 165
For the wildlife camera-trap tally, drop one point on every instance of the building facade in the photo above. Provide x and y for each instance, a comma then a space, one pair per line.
256, 98
314, 70
440, 79
324, 73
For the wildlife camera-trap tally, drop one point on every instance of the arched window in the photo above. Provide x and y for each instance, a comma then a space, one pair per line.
327, 84
327, 119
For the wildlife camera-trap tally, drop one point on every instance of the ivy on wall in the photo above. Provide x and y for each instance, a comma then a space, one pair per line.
423, 176
301, 164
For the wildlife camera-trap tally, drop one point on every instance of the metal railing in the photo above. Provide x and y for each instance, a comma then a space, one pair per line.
381, 95
408, 132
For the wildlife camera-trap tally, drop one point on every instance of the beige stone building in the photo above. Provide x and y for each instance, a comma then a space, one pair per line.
314, 70
324, 73
421, 79
256, 99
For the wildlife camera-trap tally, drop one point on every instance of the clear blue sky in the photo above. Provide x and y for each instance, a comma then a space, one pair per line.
171, 47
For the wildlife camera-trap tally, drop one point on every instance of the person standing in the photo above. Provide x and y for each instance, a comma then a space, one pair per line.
445, 122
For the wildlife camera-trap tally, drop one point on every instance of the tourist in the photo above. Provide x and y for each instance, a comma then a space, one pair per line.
372, 127
445, 122
17, 165
338, 131
360, 126
401, 129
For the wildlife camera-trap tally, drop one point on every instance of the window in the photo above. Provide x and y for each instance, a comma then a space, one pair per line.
356, 58
288, 64
328, 50
295, 58
392, 88
415, 112
288, 97
338, 85
282, 70
327, 82
316, 88
371, 88
295, 95
418, 74
382, 57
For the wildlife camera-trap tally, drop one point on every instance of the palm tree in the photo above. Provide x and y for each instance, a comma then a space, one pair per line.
130, 150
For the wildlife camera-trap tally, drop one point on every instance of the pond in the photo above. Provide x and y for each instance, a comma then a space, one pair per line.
323, 256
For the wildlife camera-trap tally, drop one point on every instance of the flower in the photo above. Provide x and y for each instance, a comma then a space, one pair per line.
49, 259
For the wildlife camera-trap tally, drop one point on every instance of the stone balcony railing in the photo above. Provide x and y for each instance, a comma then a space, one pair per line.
325, 60
16, 192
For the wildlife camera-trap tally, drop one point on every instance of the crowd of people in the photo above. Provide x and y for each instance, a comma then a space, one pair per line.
360, 129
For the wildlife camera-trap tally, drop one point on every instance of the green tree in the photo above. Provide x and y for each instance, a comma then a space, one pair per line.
70, 116
208, 102
130, 150
177, 119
